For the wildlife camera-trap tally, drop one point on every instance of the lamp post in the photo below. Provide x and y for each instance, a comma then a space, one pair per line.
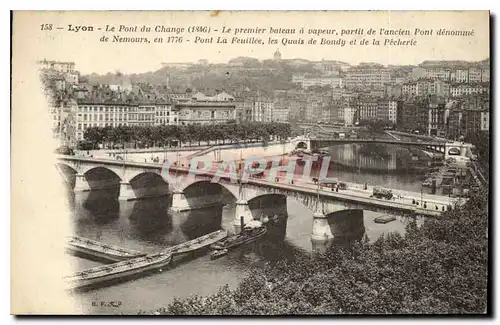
240, 177
177, 168
317, 198
165, 151
421, 194
123, 159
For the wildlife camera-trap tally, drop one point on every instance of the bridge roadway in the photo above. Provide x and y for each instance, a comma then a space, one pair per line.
354, 196
379, 141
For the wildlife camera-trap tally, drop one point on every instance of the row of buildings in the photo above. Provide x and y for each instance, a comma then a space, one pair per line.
75, 107
424, 87
379, 78
428, 104
459, 73
432, 115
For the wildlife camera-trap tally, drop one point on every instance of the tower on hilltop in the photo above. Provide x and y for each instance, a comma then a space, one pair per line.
277, 55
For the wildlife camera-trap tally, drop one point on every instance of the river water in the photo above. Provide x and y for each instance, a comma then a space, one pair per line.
145, 225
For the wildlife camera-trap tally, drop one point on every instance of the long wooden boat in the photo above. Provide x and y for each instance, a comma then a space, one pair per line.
102, 251
136, 266
118, 271
245, 237
198, 243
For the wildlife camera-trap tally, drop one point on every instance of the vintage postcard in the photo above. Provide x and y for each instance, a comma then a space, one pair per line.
250, 163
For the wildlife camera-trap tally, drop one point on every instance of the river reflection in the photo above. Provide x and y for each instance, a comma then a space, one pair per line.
379, 157
149, 220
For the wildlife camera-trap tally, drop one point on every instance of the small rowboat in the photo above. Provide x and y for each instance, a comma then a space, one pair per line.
385, 219
218, 253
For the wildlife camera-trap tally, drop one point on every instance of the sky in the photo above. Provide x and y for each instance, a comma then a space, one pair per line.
93, 56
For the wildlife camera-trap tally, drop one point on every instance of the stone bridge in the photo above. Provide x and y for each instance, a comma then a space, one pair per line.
254, 197
449, 149
200, 188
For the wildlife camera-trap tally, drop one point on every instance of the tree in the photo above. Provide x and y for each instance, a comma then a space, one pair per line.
144, 135
440, 267
93, 134
481, 141
376, 126
156, 135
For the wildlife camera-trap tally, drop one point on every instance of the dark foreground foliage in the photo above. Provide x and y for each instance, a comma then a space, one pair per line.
440, 267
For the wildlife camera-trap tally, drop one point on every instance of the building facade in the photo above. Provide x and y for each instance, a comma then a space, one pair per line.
458, 90
205, 112
437, 118
165, 115
104, 114
64, 67
349, 115
366, 108
374, 77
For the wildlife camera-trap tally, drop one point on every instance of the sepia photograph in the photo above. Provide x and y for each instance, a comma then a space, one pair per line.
250, 163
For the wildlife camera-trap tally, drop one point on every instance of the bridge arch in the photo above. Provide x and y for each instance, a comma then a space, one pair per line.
205, 187
277, 201
148, 184
301, 145
101, 177
341, 224
147, 178
68, 173
267, 204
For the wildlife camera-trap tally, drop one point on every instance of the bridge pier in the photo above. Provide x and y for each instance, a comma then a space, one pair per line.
126, 210
321, 236
126, 192
242, 210
81, 183
179, 201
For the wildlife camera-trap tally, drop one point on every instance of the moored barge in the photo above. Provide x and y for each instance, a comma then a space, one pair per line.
109, 253
137, 266
118, 271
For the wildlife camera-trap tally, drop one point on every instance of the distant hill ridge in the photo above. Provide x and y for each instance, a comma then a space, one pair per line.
198, 76
456, 63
